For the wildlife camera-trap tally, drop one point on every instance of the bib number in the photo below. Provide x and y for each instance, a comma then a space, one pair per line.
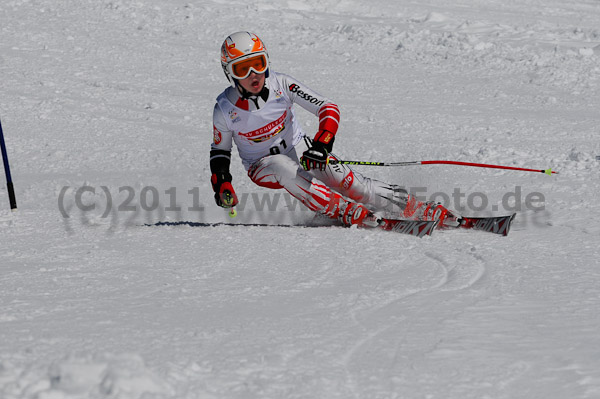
275, 149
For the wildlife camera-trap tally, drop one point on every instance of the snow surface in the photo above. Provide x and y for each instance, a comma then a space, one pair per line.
119, 93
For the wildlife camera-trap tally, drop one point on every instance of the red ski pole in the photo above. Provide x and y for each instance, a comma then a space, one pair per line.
477, 165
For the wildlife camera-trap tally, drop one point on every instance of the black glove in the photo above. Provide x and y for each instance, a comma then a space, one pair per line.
316, 157
224, 193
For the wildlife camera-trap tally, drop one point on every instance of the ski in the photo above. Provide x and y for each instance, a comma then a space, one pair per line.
238, 224
417, 228
494, 224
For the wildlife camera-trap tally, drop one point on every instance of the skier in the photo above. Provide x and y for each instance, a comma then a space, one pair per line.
256, 112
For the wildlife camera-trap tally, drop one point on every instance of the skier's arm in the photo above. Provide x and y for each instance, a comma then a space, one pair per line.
329, 118
220, 160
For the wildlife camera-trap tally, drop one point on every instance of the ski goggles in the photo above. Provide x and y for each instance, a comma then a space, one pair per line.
241, 69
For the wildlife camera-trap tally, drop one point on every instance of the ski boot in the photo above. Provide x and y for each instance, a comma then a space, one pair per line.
351, 213
431, 210
354, 213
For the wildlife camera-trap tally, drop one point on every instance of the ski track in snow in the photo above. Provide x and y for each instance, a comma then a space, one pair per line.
117, 95
393, 333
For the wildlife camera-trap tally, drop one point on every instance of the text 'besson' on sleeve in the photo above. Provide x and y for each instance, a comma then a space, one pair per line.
326, 110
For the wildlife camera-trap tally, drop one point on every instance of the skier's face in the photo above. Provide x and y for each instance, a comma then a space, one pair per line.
254, 82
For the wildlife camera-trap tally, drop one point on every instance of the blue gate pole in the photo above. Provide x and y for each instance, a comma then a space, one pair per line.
9, 183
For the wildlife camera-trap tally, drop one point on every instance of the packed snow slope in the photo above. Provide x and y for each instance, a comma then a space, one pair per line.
106, 108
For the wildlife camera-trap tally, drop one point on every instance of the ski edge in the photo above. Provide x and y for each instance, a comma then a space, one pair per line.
491, 224
417, 228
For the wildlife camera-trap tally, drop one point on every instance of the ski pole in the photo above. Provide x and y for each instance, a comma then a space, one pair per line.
9, 183
478, 165
228, 200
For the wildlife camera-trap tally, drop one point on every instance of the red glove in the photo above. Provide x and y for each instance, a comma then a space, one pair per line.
224, 193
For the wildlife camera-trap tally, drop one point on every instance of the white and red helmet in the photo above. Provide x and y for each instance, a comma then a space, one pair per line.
242, 53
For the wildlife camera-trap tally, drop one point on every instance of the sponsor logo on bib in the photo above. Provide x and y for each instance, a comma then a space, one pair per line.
266, 132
